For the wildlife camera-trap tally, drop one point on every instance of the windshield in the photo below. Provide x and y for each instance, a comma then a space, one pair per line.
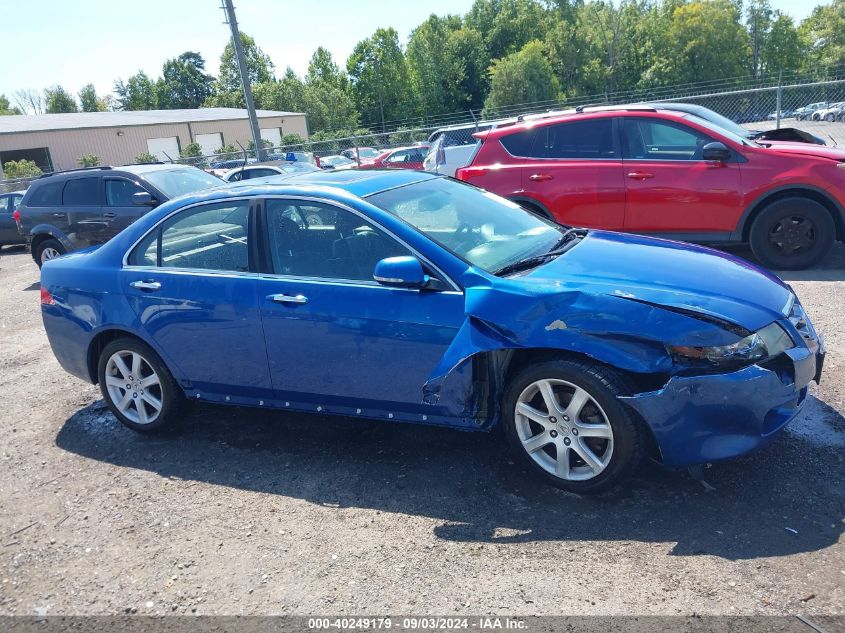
298, 168
367, 152
178, 182
710, 125
482, 228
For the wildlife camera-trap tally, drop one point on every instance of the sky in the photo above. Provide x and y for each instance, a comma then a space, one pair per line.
76, 42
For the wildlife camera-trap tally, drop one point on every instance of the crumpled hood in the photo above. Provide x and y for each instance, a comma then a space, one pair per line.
672, 274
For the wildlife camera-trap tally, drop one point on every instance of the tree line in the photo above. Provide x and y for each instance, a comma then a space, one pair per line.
500, 53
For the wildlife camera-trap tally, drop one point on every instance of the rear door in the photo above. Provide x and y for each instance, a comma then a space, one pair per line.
192, 283
670, 188
8, 229
82, 201
574, 169
120, 211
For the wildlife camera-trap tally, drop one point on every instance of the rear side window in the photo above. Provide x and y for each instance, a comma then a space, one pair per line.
210, 237
119, 193
80, 191
587, 139
47, 195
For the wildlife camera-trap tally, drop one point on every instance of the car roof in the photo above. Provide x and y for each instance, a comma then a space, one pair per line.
359, 183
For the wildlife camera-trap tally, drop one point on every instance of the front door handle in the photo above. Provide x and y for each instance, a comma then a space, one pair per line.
58, 215
282, 298
540, 177
146, 285
110, 216
640, 175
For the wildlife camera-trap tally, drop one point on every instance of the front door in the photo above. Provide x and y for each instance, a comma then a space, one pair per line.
194, 289
335, 337
670, 188
120, 211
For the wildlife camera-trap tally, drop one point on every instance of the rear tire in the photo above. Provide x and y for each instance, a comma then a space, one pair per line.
585, 440
792, 234
47, 250
137, 386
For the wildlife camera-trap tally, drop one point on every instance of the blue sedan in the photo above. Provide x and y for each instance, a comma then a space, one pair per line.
411, 297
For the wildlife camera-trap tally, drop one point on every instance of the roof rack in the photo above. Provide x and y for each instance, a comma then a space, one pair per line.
67, 171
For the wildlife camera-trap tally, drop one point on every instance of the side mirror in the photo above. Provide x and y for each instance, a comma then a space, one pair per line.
401, 272
716, 151
143, 199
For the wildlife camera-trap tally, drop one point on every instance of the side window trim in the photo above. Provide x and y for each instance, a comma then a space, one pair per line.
265, 259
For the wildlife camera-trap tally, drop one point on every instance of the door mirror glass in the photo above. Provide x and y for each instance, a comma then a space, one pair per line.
401, 272
716, 151
143, 199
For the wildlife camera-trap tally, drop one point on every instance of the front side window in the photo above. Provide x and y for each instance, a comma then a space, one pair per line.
209, 237
119, 192
480, 227
654, 139
309, 239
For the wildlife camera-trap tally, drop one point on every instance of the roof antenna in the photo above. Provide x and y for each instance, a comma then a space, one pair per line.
243, 165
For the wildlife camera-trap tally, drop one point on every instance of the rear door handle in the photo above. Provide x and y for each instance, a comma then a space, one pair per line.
146, 285
110, 216
540, 177
640, 175
283, 298
58, 215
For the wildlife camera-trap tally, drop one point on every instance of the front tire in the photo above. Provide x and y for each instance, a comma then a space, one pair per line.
47, 250
792, 234
563, 420
137, 386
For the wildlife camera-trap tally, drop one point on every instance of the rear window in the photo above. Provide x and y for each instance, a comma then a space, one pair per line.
81, 191
49, 194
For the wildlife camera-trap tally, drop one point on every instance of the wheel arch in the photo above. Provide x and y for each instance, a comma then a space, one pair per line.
42, 232
789, 191
501, 365
100, 340
536, 206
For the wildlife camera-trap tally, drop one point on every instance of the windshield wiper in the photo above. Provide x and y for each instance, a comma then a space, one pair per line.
566, 241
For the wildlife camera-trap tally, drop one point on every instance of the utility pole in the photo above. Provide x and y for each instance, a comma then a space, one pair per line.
229, 8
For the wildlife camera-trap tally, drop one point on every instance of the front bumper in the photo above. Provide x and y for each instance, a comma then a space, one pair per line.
710, 417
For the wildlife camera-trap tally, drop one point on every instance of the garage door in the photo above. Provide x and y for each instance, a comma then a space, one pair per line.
272, 134
209, 142
164, 148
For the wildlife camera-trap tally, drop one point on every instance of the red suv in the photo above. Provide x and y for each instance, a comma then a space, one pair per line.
671, 174
398, 158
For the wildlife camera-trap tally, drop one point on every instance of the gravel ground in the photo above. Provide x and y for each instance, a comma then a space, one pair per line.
251, 512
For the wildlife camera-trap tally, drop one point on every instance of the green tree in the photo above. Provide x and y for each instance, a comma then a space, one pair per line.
467, 46
146, 157
6, 108
436, 74
21, 169
88, 160
57, 99
824, 35
522, 77
782, 50
508, 25
706, 41
259, 70
138, 93
379, 74
323, 69
758, 21
292, 139
226, 151
184, 82
192, 155
89, 101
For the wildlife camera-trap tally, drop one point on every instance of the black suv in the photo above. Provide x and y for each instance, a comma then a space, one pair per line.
75, 209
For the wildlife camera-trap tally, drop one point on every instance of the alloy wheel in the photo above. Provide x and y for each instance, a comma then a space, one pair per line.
49, 253
134, 387
564, 429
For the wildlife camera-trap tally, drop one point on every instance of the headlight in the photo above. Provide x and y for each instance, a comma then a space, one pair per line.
768, 342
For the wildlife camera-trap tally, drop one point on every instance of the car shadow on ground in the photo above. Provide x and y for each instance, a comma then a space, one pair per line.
831, 268
784, 500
